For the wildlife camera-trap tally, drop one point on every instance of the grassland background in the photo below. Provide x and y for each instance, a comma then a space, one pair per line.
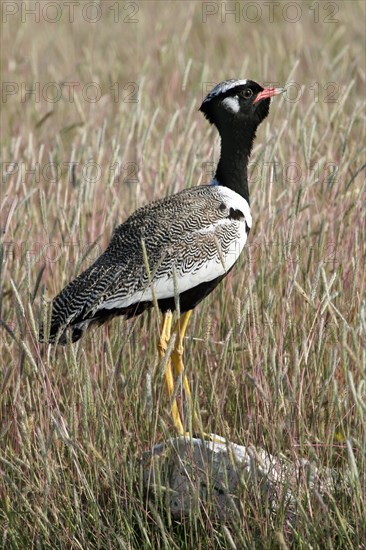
276, 355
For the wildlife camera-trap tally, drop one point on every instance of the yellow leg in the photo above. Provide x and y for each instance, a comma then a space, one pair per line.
169, 381
177, 360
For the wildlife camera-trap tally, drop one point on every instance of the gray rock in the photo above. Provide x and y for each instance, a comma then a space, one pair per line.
189, 472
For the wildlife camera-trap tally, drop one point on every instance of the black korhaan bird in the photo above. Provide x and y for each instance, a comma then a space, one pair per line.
176, 248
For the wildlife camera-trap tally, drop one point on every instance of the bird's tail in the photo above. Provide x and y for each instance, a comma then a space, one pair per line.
73, 309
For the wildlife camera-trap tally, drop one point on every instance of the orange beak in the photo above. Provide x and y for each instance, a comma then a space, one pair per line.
268, 92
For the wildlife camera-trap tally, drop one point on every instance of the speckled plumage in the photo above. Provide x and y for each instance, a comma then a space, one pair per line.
181, 234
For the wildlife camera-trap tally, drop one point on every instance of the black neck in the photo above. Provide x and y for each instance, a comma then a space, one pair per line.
232, 169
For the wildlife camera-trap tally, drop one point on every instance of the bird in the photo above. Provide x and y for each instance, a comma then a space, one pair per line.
173, 252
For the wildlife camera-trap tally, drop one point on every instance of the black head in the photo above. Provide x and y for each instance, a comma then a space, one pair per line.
238, 102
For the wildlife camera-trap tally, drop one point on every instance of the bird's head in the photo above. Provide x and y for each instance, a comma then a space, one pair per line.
238, 102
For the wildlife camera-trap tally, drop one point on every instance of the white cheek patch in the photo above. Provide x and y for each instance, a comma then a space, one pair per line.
231, 104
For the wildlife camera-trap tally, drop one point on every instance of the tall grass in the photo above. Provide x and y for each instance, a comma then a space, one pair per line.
275, 356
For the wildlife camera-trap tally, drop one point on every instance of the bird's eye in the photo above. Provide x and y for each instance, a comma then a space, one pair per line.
247, 93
